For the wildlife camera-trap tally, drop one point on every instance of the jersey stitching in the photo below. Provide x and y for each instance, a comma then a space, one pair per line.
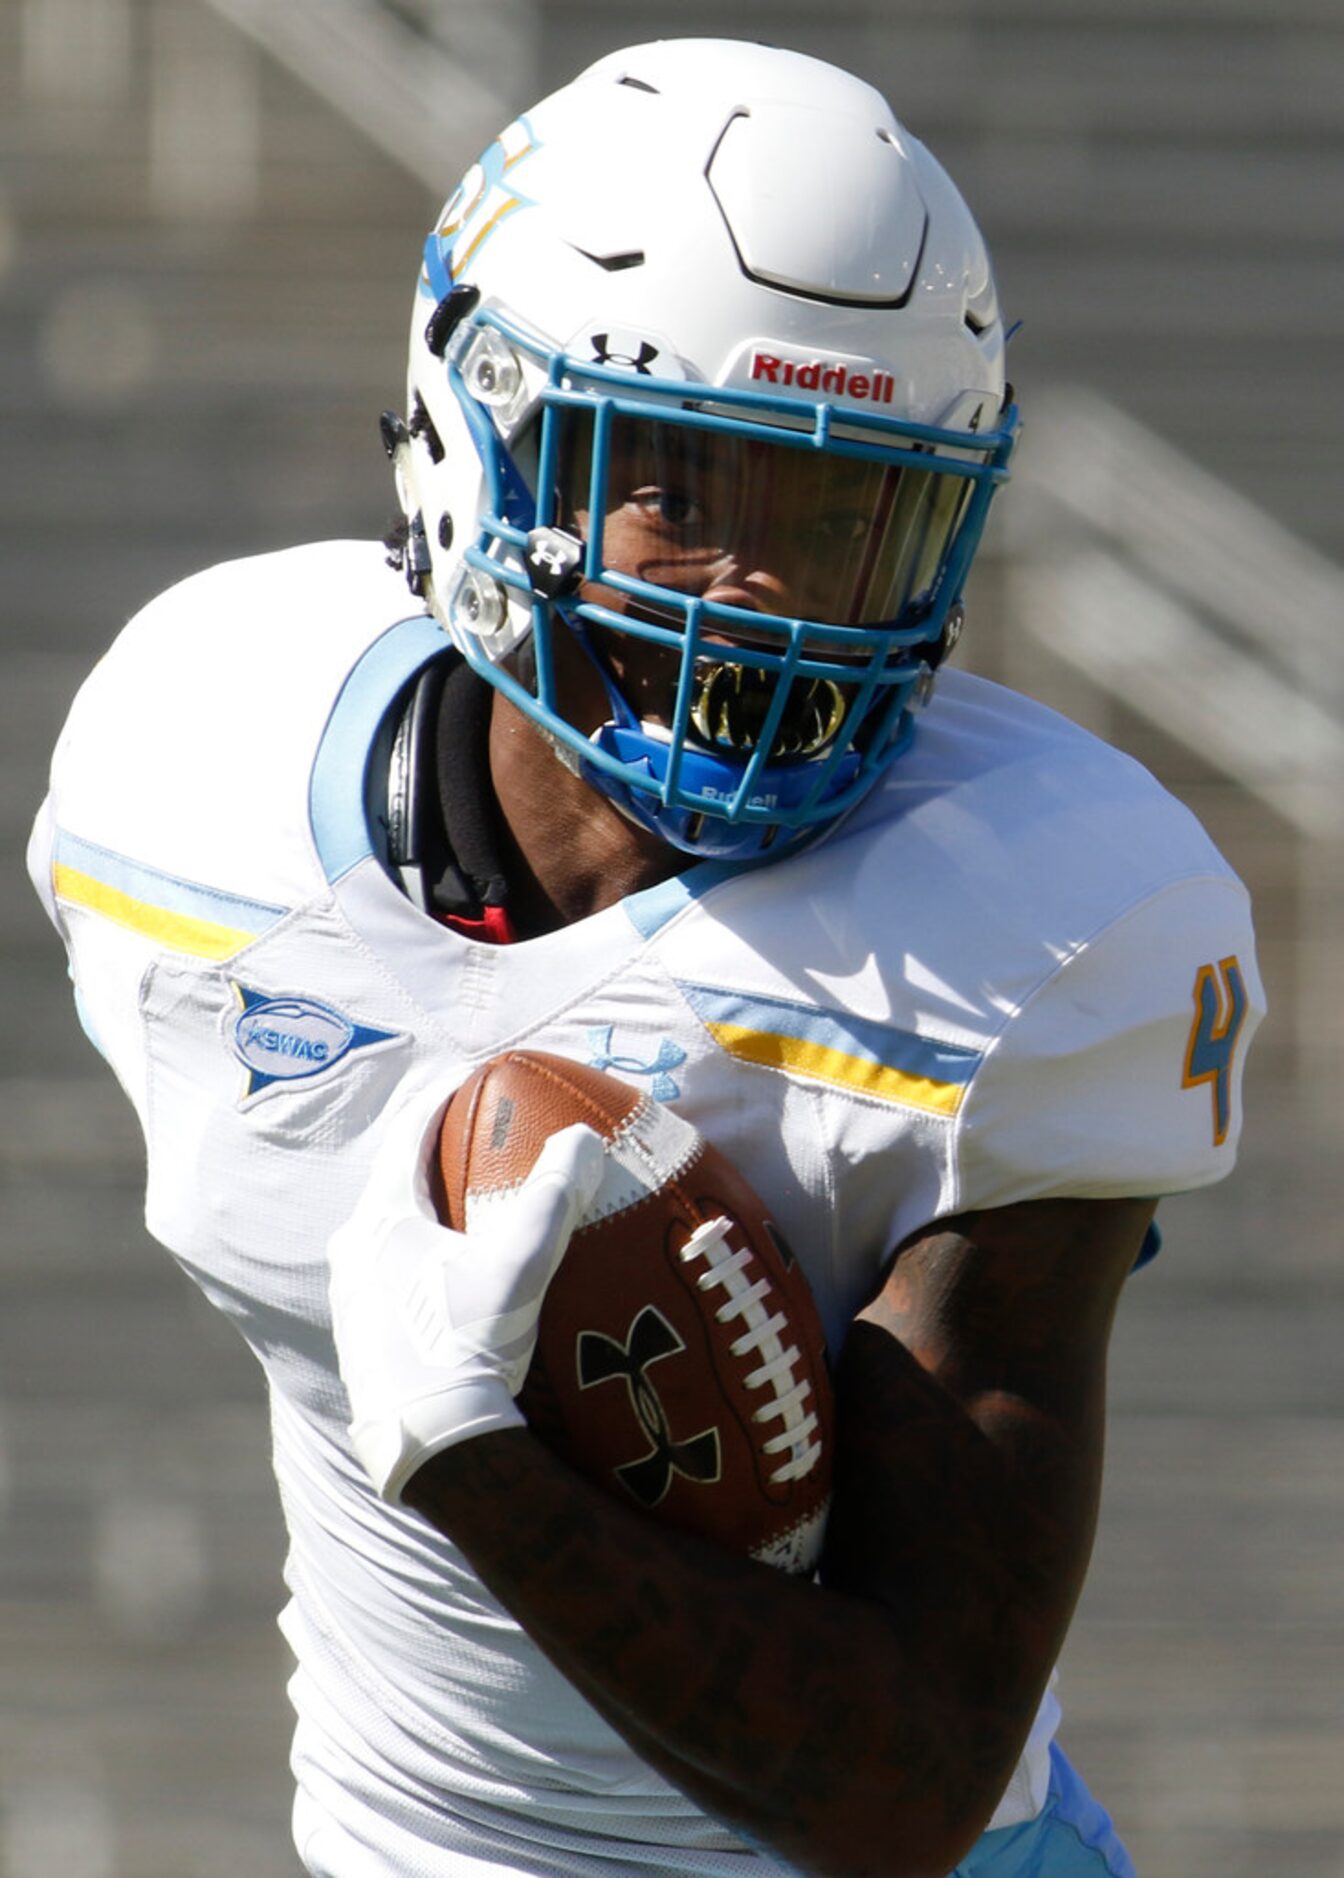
1079, 947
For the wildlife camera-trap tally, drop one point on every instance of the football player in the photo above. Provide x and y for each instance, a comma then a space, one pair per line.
657, 766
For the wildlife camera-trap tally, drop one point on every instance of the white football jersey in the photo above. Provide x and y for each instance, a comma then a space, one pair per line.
1019, 969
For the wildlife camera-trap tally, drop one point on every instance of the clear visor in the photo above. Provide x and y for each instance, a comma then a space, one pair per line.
776, 527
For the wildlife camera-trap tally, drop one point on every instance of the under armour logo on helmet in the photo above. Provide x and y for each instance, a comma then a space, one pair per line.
629, 361
553, 561
602, 1358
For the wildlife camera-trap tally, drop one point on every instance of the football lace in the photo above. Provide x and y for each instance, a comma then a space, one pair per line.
729, 1267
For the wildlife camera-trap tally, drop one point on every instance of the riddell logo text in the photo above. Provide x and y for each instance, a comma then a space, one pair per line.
836, 381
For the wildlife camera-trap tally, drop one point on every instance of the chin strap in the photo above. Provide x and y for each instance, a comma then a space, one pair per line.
493, 928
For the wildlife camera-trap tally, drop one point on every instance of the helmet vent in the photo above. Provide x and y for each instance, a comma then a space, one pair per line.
639, 84
422, 425
614, 263
982, 308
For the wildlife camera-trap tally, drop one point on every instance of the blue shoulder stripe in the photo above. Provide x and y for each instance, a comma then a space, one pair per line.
651, 909
872, 1059
184, 915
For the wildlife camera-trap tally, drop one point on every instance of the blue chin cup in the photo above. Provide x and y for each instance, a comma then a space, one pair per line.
708, 833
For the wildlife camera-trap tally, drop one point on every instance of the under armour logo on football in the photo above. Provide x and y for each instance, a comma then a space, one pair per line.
628, 361
663, 1087
604, 1359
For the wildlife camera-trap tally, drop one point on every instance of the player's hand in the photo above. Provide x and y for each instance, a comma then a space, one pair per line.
434, 1328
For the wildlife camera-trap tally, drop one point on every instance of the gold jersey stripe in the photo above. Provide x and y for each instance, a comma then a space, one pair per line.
774, 1051
201, 938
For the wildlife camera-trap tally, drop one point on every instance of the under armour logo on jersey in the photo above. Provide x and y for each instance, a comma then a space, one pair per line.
663, 1087
603, 1359
1220, 1012
605, 353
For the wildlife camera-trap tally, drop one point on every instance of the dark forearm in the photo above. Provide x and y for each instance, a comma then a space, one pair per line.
869, 1723
783, 1709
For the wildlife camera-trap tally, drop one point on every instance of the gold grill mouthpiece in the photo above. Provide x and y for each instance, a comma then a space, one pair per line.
732, 702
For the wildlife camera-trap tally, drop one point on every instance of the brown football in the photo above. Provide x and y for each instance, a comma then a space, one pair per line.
686, 1374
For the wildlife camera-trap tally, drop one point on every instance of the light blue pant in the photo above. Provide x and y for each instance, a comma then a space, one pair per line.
1072, 1837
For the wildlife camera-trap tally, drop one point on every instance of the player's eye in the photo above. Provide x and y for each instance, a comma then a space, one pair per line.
673, 508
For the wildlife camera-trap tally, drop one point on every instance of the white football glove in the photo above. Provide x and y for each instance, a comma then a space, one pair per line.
434, 1328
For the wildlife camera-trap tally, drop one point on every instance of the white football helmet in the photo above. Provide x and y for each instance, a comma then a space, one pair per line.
706, 378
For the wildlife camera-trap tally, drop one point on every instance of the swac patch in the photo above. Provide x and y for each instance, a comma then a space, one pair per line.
292, 1039
1220, 1012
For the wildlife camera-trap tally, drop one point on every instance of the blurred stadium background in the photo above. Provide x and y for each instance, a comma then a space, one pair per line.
209, 217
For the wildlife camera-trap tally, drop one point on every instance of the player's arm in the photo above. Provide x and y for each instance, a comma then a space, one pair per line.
869, 1724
